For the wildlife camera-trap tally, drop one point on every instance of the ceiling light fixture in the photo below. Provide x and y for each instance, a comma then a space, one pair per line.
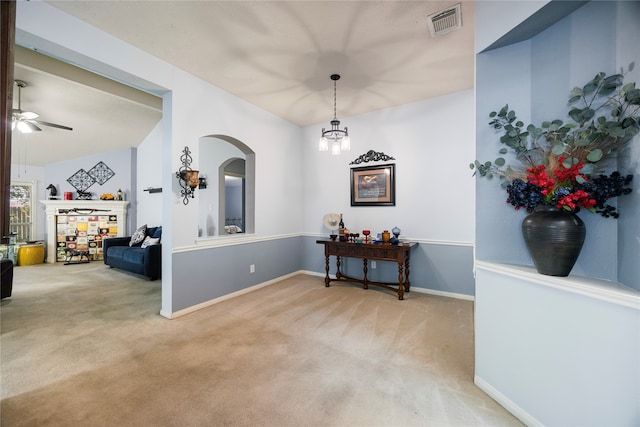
340, 140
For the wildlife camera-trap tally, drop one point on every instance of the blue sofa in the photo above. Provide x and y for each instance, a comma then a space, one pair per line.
144, 261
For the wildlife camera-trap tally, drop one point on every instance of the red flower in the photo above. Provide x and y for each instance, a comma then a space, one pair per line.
568, 174
538, 177
577, 198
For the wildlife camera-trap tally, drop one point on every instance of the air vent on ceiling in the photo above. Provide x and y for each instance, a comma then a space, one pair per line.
444, 21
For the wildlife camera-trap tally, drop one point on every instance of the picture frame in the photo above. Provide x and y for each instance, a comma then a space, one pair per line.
373, 185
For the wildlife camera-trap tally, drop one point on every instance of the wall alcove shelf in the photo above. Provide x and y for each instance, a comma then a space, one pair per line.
153, 190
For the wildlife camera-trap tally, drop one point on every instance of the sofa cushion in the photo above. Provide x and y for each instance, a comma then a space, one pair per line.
149, 241
138, 236
126, 255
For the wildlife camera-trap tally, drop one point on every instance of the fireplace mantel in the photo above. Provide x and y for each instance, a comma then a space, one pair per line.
54, 208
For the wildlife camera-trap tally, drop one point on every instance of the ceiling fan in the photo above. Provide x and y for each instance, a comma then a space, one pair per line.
25, 121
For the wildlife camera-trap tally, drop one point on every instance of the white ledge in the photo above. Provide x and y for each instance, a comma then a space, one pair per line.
229, 240
604, 290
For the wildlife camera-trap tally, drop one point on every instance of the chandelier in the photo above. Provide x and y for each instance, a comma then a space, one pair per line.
339, 138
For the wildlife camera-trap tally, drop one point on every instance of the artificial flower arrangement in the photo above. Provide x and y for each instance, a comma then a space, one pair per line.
563, 164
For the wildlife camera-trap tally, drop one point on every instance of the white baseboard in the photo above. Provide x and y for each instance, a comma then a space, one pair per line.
507, 403
286, 276
443, 293
413, 289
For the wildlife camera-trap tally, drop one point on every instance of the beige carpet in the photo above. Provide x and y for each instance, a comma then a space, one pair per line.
84, 345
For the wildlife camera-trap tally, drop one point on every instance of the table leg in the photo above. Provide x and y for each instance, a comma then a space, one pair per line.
400, 281
365, 285
338, 274
407, 284
326, 268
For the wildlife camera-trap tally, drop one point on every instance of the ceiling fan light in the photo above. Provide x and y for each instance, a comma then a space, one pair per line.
335, 148
323, 145
26, 127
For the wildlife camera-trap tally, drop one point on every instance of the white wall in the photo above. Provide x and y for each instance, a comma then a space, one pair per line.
149, 174
432, 142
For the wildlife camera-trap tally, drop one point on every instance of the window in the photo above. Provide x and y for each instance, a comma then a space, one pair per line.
21, 210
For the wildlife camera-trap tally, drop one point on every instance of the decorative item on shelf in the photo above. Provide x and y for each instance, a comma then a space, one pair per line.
68, 195
107, 196
366, 234
330, 221
339, 137
119, 195
84, 195
53, 192
563, 167
187, 177
396, 232
550, 224
386, 236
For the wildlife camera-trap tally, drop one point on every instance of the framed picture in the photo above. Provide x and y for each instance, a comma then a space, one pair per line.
373, 185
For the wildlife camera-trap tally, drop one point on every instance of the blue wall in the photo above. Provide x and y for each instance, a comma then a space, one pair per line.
203, 275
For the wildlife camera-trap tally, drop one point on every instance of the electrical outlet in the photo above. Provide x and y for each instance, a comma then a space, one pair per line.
373, 264
252, 268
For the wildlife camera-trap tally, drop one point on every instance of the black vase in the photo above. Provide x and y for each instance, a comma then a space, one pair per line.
554, 238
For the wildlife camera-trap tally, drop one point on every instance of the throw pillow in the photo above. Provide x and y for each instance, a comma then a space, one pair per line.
157, 234
149, 241
138, 236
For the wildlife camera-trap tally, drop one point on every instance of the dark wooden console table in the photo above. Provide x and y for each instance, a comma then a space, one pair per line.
399, 253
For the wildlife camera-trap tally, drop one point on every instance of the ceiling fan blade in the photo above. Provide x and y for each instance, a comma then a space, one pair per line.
24, 115
53, 125
28, 115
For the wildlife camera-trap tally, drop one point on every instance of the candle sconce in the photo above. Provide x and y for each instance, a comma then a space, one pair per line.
187, 177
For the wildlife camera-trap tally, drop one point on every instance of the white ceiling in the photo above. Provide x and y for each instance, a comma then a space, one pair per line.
279, 55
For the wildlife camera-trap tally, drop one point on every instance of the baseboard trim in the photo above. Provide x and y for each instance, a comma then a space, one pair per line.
211, 302
507, 403
443, 293
413, 289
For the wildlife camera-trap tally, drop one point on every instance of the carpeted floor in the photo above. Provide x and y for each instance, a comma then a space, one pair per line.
84, 345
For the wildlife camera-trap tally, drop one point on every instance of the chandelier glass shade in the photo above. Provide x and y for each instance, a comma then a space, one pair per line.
338, 138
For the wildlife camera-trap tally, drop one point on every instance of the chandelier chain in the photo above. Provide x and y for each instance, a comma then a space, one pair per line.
335, 114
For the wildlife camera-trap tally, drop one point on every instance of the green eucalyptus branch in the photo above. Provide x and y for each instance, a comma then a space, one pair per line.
606, 119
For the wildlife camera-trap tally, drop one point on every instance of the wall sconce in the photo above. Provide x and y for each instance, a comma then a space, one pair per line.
187, 177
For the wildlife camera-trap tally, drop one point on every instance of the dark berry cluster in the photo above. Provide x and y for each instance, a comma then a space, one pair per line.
605, 187
523, 195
